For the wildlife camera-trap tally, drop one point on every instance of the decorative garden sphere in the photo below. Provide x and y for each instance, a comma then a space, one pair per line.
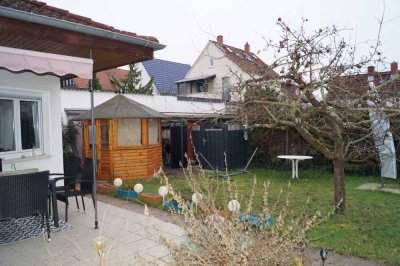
117, 182
233, 205
138, 188
163, 191
196, 197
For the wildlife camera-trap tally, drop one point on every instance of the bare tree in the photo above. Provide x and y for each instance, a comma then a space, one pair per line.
321, 93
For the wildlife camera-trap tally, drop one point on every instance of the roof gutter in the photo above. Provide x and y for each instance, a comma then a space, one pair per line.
76, 27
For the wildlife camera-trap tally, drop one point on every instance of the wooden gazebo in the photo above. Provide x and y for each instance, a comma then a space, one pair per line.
128, 139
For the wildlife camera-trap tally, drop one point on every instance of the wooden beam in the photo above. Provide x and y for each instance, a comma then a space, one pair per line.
77, 44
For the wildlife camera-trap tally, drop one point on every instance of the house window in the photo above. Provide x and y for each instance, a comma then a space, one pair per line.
20, 126
29, 117
153, 131
201, 86
210, 62
129, 131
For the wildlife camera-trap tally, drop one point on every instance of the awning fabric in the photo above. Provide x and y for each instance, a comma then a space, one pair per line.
196, 78
40, 63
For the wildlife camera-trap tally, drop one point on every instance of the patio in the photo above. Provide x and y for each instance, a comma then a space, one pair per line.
131, 238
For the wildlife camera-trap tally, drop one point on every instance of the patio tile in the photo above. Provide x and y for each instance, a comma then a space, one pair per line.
158, 251
144, 257
131, 239
142, 244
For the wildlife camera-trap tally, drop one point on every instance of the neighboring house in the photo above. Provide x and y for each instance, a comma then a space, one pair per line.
385, 87
359, 84
218, 68
40, 46
165, 74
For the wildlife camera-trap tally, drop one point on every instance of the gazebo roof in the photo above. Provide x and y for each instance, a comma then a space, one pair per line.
121, 107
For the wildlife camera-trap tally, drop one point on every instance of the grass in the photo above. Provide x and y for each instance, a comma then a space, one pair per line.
370, 227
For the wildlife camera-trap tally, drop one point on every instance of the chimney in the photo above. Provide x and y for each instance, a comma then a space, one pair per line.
247, 47
220, 39
394, 70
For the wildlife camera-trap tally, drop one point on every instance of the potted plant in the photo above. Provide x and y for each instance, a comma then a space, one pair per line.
126, 191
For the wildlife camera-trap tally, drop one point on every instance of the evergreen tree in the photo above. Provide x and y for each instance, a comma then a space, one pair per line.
96, 84
131, 84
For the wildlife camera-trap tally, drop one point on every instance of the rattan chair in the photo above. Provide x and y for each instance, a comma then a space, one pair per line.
70, 174
78, 187
25, 195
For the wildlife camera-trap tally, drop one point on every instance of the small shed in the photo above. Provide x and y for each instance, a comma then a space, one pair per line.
128, 139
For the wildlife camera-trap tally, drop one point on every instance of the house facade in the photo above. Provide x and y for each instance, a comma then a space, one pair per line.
30, 131
40, 47
218, 69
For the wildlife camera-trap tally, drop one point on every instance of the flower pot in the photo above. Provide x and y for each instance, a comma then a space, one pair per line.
126, 194
151, 199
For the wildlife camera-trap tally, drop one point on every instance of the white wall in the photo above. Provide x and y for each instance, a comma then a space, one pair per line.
49, 88
168, 105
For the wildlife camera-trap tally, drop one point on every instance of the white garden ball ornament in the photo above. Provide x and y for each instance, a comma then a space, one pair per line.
138, 188
196, 197
117, 182
163, 191
234, 205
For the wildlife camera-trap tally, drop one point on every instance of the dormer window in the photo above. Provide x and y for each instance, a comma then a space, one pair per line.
210, 62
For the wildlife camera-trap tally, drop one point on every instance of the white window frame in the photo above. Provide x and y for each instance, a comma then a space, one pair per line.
42, 98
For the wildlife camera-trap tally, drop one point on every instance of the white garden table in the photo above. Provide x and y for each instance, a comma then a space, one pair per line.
295, 162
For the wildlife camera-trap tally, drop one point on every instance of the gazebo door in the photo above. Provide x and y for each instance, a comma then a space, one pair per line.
104, 150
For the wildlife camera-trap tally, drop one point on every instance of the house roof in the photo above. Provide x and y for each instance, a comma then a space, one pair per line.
165, 74
105, 79
43, 9
248, 62
354, 86
34, 25
121, 107
203, 77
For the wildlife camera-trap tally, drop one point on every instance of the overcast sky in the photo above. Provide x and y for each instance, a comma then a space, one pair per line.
185, 26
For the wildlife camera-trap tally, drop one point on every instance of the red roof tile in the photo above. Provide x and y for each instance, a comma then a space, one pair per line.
353, 86
105, 79
42, 8
248, 62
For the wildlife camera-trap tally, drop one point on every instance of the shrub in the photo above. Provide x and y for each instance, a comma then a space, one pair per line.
216, 236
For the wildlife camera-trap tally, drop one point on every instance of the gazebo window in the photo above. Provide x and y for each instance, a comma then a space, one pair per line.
129, 131
104, 136
153, 131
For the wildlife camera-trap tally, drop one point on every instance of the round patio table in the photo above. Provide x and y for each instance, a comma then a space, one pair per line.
295, 162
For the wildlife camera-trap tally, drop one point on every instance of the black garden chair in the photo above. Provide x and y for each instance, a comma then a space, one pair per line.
72, 165
78, 186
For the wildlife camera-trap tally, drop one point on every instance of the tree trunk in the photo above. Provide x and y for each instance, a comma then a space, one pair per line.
338, 167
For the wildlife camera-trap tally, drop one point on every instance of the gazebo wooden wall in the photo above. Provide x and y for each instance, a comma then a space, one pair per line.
125, 162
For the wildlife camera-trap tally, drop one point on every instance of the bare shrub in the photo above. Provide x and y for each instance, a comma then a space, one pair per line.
217, 236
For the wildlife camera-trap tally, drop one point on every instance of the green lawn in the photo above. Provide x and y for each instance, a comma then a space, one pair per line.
370, 227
